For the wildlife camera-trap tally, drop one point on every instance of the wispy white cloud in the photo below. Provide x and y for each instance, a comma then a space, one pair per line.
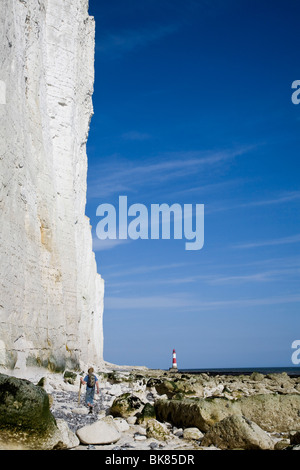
239, 303
212, 187
182, 301
114, 44
281, 198
264, 276
108, 244
271, 242
146, 269
285, 197
135, 135
210, 279
121, 175
148, 302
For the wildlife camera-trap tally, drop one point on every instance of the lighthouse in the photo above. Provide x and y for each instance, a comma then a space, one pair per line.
174, 362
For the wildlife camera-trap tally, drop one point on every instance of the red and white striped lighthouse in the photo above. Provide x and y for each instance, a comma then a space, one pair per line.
174, 364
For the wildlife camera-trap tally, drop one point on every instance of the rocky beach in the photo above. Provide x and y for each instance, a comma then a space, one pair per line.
143, 409
52, 295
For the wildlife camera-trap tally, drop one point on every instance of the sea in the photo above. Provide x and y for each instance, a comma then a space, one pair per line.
291, 371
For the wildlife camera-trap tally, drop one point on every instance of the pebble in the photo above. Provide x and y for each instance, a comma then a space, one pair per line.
75, 415
139, 437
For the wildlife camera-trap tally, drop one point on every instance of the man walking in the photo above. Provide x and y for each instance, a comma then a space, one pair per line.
91, 382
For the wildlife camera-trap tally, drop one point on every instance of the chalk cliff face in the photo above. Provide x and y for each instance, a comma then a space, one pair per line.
51, 297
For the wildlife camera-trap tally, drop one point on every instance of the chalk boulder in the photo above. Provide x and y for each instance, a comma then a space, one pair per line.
103, 431
26, 422
237, 432
192, 434
126, 405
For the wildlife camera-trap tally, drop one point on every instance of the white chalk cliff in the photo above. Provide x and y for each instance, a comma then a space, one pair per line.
51, 297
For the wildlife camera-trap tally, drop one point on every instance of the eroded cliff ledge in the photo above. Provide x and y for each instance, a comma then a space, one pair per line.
51, 297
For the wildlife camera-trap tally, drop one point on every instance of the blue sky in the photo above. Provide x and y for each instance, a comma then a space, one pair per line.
193, 105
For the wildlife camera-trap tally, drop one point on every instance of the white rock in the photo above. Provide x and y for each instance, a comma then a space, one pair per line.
140, 437
121, 424
192, 433
80, 411
68, 438
115, 390
68, 387
51, 294
237, 432
131, 420
103, 431
213, 391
